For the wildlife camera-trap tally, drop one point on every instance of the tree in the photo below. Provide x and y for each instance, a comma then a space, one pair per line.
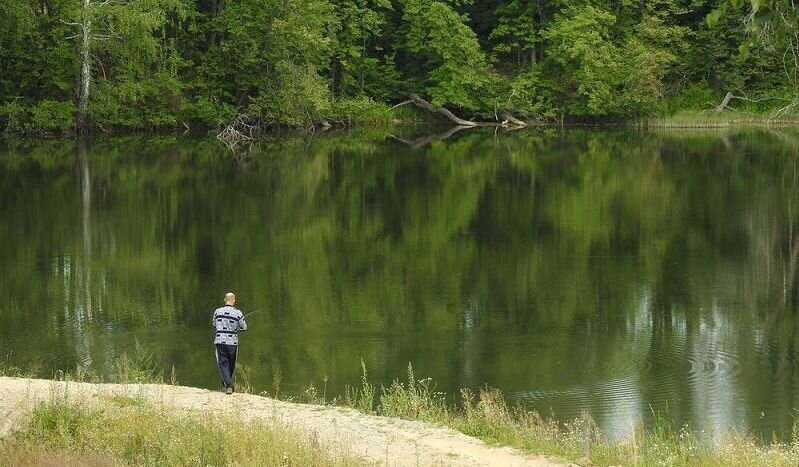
360, 24
123, 33
457, 70
648, 54
774, 22
584, 61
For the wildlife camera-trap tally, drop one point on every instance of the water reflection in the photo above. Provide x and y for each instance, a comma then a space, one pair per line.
621, 273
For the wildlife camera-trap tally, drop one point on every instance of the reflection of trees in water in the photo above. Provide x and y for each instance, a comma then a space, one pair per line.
497, 258
83, 312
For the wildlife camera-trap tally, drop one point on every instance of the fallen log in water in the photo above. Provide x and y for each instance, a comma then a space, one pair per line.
509, 120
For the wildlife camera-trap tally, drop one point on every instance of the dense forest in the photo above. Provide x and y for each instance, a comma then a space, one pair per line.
144, 64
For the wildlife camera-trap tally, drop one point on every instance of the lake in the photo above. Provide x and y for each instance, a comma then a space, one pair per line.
620, 272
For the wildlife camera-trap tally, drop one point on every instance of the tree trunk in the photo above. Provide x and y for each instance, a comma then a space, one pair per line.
724, 104
85, 71
508, 118
440, 110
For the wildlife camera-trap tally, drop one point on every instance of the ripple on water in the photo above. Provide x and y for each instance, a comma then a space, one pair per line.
713, 362
670, 375
599, 399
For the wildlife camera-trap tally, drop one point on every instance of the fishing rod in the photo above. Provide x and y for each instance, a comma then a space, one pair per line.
252, 313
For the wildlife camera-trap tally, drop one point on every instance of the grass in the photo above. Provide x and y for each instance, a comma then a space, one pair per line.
126, 430
486, 415
129, 431
138, 366
711, 119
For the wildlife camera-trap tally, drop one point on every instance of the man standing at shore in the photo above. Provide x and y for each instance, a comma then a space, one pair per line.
228, 321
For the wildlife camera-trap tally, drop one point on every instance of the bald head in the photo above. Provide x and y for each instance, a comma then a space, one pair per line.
230, 298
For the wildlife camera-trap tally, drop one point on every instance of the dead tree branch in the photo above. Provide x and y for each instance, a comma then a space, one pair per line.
401, 104
243, 128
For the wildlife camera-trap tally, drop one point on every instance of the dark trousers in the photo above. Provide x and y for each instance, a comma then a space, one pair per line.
226, 361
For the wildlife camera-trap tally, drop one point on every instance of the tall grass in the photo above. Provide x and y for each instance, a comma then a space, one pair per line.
8, 369
125, 431
486, 415
363, 397
138, 366
711, 119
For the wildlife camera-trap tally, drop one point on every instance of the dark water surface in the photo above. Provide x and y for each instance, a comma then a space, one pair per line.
616, 272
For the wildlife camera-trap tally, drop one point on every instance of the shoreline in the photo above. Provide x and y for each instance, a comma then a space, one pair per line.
375, 439
684, 119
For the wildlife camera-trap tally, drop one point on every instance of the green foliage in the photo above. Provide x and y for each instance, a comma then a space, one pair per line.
138, 367
362, 397
533, 95
357, 65
413, 399
360, 110
457, 69
646, 58
207, 111
147, 103
698, 96
59, 423
46, 117
270, 58
174, 63
585, 61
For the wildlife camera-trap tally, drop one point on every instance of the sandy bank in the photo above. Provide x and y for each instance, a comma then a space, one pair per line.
381, 440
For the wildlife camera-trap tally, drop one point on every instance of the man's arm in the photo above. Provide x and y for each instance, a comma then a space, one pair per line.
242, 323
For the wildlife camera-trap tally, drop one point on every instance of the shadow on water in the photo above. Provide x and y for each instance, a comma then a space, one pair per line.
623, 273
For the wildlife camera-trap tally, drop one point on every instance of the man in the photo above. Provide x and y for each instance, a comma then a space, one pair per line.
228, 321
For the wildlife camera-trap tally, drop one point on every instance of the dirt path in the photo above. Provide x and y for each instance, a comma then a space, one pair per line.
380, 440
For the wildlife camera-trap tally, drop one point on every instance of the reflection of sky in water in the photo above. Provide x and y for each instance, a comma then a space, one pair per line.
713, 374
704, 361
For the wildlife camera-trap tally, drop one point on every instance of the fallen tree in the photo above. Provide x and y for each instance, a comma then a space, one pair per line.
508, 119
729, 97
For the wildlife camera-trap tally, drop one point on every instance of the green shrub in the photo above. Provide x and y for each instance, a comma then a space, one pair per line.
298, 97
207, 111
413, 399
360, 110
152, 103
45, 117
53, 116
698, 96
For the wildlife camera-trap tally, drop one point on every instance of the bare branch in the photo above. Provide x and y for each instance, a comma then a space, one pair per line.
100, 62
400, 104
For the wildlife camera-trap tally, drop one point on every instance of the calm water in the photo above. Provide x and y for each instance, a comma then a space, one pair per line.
616, 272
